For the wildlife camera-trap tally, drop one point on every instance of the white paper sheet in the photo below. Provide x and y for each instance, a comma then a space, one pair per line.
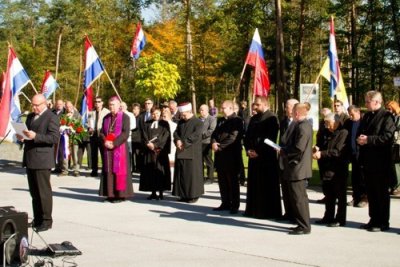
272, 144
19, 127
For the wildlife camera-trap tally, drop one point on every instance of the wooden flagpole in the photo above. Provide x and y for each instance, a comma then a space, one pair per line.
27, 98
30, 82
112, 84
79, 78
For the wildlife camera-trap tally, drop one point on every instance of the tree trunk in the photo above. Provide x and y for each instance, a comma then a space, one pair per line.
280, 85
395, 11
373, 44
299, 52
354, 54
189, 55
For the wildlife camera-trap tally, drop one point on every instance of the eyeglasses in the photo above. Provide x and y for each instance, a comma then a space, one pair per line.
97, 101
37, 105
338, 105
148, 103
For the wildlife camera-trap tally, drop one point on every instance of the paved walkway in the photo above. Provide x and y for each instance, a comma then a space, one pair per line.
140, 232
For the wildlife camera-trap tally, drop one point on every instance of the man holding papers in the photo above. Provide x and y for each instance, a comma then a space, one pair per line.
39, 158
296, 165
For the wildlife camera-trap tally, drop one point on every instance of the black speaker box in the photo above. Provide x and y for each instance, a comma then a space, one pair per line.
12, 221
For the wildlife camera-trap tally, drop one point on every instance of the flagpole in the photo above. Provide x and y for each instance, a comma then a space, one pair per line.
57, 60
241, 77
112, 84
33, 87
79, 77
27, 98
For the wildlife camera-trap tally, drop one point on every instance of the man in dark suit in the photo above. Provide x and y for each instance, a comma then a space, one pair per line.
283, 126
209, 124
359, 194
40, 138
136, 138
375, 138
227, 146
296, 165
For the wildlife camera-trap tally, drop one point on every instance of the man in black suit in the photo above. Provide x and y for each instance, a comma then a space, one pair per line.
359, 194
375, 138
296, 165
283, 126
227, 146
39, 158
209, 124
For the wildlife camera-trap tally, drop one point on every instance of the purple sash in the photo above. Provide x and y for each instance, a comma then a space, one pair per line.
119, 153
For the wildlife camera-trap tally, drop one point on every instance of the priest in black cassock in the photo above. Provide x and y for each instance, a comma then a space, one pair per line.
188, 176
263, 191
156, 138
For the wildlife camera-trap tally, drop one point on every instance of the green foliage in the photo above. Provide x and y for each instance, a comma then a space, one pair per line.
158, 78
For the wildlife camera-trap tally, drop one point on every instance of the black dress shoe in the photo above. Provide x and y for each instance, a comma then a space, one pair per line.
42, 228
233, 211
366, 226
152, 196
323, 221
334, 224
299, 231
222, 207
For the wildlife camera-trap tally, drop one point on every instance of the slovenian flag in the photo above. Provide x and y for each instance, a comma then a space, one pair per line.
139, 41
93, 70
255, 58
49, 84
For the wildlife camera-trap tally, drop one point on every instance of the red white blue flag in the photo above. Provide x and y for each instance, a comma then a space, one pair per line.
49, 84
255, 58
18, 79
93, 70
333, 61
14, 80
139, 41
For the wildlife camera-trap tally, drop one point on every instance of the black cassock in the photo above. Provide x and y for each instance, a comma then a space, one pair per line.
188, 176
263, 191
156, 175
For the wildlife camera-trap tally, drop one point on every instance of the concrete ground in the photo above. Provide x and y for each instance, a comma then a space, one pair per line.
140, 232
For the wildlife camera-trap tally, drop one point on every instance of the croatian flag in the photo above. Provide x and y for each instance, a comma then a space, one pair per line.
333, 61
138, 42
93, 70
49, 84
14, 80
255, 58
18, 79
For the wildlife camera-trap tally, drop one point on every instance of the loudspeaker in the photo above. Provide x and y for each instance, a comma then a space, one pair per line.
11, 222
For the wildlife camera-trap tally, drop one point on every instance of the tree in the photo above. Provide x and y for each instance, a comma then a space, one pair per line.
157, 77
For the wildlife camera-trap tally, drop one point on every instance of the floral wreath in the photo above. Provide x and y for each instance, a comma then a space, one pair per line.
73, 128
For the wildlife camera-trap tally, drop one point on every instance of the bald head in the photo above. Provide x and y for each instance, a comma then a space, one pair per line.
39, 103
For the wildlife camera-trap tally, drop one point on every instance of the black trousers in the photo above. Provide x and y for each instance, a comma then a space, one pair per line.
377, 183
336, 190
207, 160
42, 195
357, 180
95, 147
229, 188
286, 197
299, 203
135, 157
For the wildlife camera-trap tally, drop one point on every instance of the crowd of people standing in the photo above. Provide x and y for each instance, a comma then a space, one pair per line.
171, 149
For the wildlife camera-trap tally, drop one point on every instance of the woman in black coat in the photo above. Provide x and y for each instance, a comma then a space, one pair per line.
156, 139
332, 157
